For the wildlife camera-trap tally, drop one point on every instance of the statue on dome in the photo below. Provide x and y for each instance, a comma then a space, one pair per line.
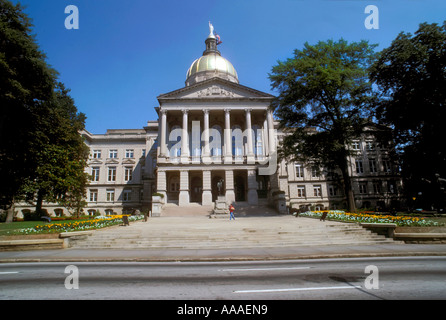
212, 35
211, 29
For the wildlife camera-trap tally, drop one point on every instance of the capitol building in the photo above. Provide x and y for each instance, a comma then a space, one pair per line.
217, 139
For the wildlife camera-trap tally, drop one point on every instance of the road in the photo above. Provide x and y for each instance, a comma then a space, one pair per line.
361, 278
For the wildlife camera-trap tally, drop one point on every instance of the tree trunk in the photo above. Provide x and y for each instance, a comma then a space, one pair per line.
10, 213
39, 202
348, 187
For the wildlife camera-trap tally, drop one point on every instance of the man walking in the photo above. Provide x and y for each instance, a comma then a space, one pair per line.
231, 212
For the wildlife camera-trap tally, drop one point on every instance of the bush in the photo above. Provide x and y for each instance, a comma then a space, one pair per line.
29, 215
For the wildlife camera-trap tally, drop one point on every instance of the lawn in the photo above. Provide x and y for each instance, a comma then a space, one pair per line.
399, 220
38, 227
6, 228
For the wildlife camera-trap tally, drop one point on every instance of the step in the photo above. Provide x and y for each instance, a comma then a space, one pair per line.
228, 246
203, 233
169, 242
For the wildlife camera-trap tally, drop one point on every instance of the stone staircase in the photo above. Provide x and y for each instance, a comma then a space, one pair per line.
199, 232
193, 209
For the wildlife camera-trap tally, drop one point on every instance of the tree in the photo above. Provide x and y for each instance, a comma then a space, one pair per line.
412, 76
26, 81
41, 150
325, 101
60, 175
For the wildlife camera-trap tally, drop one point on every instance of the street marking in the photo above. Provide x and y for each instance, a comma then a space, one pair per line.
266, 269
11, 272
297, 289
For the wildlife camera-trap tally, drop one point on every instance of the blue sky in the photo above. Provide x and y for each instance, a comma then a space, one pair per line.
126, 53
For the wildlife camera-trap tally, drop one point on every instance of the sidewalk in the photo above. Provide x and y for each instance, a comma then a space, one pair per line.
245, 254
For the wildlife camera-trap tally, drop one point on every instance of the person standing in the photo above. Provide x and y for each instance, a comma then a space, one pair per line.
231, 212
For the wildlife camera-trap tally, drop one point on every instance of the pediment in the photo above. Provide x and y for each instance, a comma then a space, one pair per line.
215, 88
95, 161
128, 161
112, 161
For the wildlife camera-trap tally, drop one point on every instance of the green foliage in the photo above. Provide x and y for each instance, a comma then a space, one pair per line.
412, 75
325, 101
25, 82
41, 151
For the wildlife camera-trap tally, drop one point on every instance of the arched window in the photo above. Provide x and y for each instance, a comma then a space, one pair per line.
237, 142
215, 143
175, 142
195, 142
258, 140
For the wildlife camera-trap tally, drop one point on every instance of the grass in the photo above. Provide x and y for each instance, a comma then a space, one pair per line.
38, 227
8, 228
399, 220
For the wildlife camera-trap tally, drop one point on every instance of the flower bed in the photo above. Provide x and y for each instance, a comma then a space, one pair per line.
339, 215
97, 223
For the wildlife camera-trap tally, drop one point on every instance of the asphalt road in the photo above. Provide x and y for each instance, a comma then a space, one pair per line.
393, 278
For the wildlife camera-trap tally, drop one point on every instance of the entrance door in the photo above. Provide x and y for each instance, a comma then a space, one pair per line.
196, 187
239, 188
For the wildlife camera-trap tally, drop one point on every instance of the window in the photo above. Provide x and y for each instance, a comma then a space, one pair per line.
372, 164
317, 191
95, 174
332, 190
370, 145
113, 154
128, 173
96, 154
174, 184
127, 195
257, 140
143, 153
377, 187
175, 142
356, 145
110, 195
129, 153
359, 166
93, 195
111, 174
386, 166
299, 170
215, 141
314, 172
237, 142
301, 191
391, 187
363, 187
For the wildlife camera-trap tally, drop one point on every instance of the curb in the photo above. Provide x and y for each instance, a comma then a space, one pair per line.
222, 258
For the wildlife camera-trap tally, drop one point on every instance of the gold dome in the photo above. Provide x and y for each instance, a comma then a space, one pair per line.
211, 65
212, 62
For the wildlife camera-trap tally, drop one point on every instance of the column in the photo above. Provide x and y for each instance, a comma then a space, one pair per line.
163, 144
184, 188
229, 187
185, 139
206, 198
265, 137
228, 137
271, 133
253, 197
206, 152
250, 155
